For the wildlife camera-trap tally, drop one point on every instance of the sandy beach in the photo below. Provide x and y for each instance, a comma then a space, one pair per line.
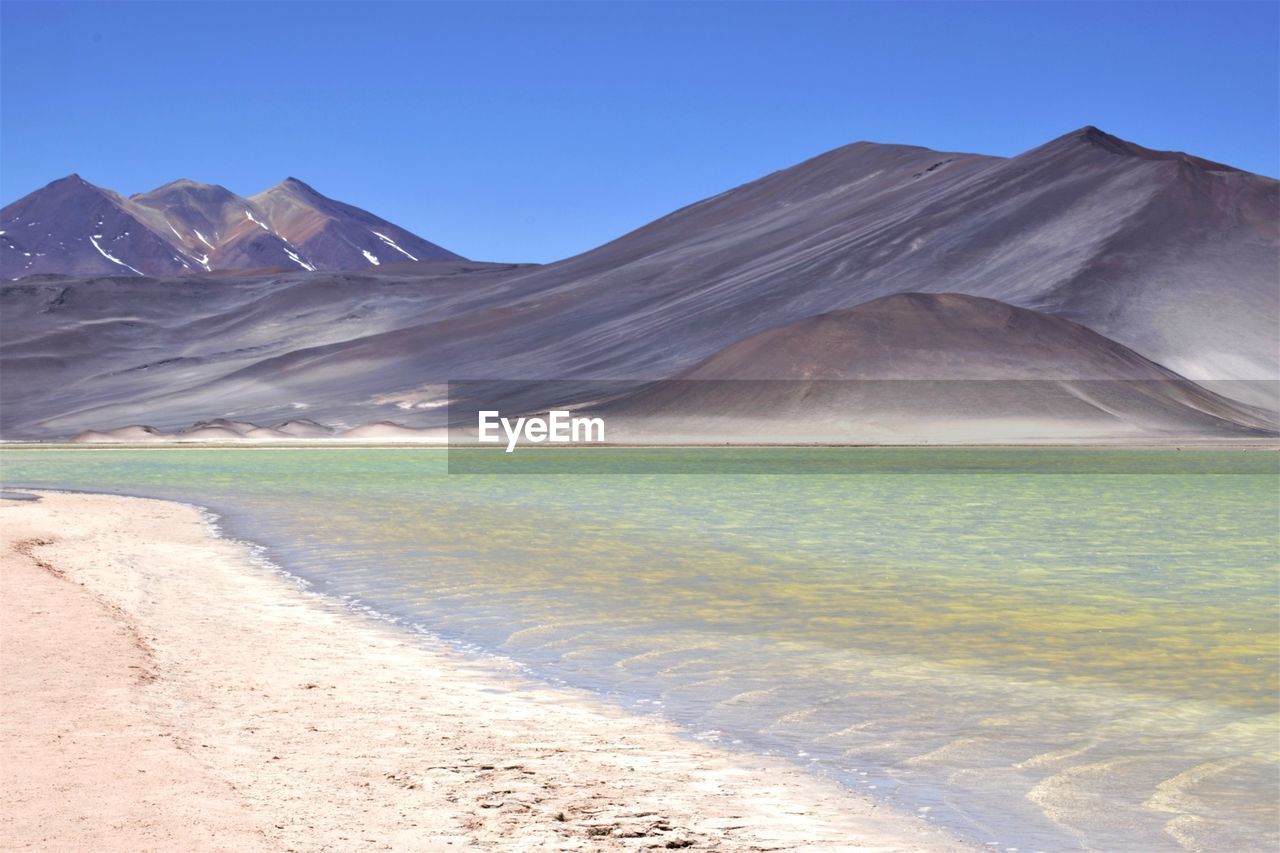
163, 691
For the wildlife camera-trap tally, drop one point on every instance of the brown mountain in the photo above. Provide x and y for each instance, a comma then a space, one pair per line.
71, 227
216, 228
337, 236
929, 367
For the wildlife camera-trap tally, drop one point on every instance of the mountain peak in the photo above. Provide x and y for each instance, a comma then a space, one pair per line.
1095, 137
182, 183
295, 185
337, 235
186, 186
73, 182
953, 335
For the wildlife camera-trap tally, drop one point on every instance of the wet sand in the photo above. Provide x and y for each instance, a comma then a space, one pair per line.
162, 691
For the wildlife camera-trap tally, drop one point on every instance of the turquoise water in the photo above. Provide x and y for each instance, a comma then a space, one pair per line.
1045, 649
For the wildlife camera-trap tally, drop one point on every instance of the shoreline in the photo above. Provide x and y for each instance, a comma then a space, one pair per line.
165, 690
1269, 444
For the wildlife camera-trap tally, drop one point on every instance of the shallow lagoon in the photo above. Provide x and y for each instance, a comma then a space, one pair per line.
1044, 648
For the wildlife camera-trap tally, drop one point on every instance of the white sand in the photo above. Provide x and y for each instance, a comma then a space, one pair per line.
163, 692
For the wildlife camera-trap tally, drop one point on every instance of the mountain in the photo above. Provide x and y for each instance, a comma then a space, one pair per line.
72, 227
337, 236
215, 228
1170, 256
928, 367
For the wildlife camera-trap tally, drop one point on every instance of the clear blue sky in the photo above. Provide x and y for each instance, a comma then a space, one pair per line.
531, 131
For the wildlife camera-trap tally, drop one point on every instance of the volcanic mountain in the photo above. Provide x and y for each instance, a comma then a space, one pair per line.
72, 227
1169, 256
215, 228
928, 367
334, 235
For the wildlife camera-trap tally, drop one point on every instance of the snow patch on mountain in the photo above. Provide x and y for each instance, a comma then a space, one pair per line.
101, 251
293, 256
384, 238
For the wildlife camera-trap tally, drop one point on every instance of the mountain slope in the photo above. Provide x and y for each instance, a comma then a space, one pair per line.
215, 227
337, 236
931, 367
71, 227
196, 214
1167, 255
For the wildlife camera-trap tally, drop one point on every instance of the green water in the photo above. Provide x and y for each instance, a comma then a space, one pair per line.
1047, 649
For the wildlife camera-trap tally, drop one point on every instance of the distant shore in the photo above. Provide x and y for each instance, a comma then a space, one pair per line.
340, 443
164, 691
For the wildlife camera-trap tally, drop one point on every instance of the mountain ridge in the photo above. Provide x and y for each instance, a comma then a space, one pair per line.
1173, 261
193, 227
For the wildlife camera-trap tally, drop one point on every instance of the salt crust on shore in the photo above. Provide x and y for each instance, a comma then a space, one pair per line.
163, 692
